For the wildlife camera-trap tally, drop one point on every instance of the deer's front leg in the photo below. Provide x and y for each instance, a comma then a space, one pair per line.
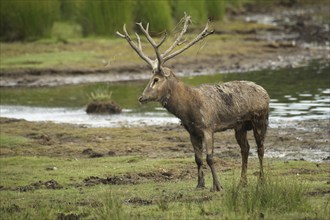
208, 143
198, 148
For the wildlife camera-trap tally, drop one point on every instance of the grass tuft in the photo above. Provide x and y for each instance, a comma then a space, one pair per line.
101, 94
276, 195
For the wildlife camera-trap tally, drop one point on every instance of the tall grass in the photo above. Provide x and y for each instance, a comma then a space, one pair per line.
156, 13
20, 20
216, 9
196, 9
34, 19
105, 17
275, 195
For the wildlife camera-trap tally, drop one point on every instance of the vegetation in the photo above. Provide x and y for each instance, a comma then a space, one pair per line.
25, 20
104, 18
48, 173
101, 94
156, 13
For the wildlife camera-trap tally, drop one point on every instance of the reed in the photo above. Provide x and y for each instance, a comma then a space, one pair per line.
196, 9
104, 18
26, 20
216, 9
156, 13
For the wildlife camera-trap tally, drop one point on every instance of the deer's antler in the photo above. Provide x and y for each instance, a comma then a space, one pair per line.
158, 63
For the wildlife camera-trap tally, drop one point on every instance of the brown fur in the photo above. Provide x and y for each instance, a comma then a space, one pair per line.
203, 110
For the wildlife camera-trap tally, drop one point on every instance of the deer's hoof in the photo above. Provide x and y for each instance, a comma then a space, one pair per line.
216, 188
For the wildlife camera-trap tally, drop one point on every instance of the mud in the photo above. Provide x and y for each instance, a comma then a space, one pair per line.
50, 184
97, 107
91, 153
138, 178
138, 201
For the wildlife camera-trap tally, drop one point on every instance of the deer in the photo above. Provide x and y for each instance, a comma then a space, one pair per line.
207, 108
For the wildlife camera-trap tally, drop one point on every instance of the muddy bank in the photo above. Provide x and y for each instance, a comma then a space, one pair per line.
293, 36
265, 57
293, 140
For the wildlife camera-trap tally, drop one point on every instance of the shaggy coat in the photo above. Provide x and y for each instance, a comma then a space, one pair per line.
203, 110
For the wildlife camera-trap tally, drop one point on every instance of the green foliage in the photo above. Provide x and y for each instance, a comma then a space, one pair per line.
156, 13
101, 94
104, 18
69, 9
216, 9
25, 20
196, 9
21, 20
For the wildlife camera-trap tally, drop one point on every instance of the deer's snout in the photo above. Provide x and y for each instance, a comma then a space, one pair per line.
143, 99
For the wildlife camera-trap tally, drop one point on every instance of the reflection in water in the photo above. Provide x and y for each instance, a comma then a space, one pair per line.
300, 93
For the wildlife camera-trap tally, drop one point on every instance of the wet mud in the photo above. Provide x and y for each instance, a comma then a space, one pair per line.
138, 178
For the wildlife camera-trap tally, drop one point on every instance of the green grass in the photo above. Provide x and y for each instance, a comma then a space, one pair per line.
12, 141
42, 60
279, 197
154, 182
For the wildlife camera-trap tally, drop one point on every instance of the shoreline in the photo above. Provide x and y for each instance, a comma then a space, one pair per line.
281, 58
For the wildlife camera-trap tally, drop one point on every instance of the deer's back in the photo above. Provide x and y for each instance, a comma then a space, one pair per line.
230, 102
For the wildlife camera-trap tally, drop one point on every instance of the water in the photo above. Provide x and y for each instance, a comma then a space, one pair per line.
296, 94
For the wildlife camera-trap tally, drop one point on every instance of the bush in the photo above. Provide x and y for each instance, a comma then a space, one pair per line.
156, 13
105, 17
27, 20
216, 9
196, 9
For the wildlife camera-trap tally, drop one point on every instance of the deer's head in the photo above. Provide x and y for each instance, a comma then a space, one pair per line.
158, 86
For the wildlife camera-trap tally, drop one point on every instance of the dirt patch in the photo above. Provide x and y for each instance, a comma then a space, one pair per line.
50, 184
98, 107
113, 180
70, 216
91, 153
318, 193
138, 201
137, 178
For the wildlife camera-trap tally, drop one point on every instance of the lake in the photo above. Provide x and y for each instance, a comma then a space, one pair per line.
296, 94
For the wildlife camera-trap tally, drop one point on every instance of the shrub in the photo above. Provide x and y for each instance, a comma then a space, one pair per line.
105, 17
196, 9
216, 9
27, 20
156, 13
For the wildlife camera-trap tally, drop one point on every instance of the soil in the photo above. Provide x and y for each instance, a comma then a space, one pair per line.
103, 107
294, 38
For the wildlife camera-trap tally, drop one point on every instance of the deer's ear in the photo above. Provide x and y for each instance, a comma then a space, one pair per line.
166, 72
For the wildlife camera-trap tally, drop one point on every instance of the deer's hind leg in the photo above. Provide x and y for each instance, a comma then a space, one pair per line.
260, 125
241, 137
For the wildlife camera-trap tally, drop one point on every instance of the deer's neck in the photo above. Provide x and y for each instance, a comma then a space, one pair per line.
180, 100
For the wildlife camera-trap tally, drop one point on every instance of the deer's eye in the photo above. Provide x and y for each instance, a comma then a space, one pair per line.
154, 82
